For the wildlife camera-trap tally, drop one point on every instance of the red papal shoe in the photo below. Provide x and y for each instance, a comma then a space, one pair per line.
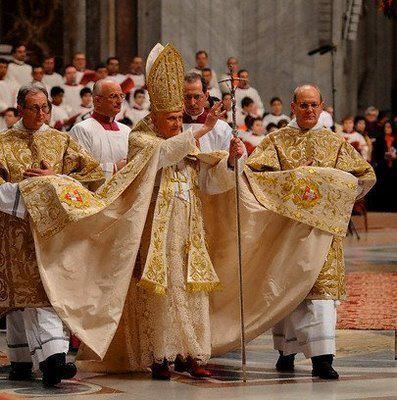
191, 366
161, 372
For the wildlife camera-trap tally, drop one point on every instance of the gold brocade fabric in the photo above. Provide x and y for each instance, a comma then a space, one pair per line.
20, 283
201, 275
106, 240
165, 81
288, 149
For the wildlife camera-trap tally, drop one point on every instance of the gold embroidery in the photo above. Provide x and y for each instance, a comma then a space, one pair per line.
20, 283
74, 197
287, 149
201, 275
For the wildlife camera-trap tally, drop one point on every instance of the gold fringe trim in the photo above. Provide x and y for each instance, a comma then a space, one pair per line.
152, 287
192, 287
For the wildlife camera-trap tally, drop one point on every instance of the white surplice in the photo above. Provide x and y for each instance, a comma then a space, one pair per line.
108, 147
19, 72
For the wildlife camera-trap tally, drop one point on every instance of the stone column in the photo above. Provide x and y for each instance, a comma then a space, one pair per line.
126, 32
149, 25
74, 12
93, 33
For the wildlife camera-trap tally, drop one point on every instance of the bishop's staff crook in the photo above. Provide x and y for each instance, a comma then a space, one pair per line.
232, 81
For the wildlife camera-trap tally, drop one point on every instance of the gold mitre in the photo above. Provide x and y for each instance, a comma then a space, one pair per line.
165, 74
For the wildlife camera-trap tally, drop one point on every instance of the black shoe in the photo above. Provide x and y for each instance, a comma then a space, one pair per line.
161, 372
21, 371
285, 363
322, 367
55, 368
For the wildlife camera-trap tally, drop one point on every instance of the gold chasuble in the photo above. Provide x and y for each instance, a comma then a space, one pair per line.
289, 148
20, 283
87, 250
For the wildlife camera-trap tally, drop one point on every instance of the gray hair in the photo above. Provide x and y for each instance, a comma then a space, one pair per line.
26, 90
97, 89
372, 109
192, 77
306, 85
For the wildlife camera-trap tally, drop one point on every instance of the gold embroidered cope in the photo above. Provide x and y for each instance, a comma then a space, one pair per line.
20, 283
287, 150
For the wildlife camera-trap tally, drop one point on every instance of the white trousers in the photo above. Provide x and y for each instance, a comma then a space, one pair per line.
309, 329
35, 334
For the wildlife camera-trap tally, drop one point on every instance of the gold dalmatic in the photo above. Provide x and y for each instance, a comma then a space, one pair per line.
165, 79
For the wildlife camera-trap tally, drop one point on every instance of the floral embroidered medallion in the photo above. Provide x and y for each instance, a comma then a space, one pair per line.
305, 193
74, 197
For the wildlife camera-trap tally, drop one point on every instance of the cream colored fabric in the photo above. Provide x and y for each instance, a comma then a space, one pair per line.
281, 261
177, 323
86, 265
151, 58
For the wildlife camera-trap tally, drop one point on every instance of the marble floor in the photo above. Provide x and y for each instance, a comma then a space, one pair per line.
365, 359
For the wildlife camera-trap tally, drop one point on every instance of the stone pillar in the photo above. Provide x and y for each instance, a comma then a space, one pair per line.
149, 25
74, 12
93, 30
126, 31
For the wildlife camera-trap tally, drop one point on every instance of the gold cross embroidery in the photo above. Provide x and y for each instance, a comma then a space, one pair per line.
179, 178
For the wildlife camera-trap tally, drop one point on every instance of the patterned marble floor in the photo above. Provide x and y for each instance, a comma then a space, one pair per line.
365, 358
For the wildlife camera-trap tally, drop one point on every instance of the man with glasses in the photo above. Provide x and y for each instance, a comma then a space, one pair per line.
101, 135
36, 336
310, 328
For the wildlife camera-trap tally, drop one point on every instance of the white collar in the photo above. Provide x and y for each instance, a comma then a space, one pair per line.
19, 125
15, 61
317, 127
194, 117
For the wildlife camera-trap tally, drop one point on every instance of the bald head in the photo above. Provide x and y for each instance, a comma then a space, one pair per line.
103, 86
307, 106
108, 97
307, 87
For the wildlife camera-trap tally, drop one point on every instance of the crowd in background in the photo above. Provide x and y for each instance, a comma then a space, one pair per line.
373, 135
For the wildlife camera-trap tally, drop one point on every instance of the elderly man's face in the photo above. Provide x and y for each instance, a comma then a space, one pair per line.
20, 53
194, 98
372, 116
35, 112
109, 101
307, 107
168, 124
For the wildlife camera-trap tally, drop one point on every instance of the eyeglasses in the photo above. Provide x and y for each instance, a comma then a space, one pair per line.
196, 97
305, 106
115, 96
36, 109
